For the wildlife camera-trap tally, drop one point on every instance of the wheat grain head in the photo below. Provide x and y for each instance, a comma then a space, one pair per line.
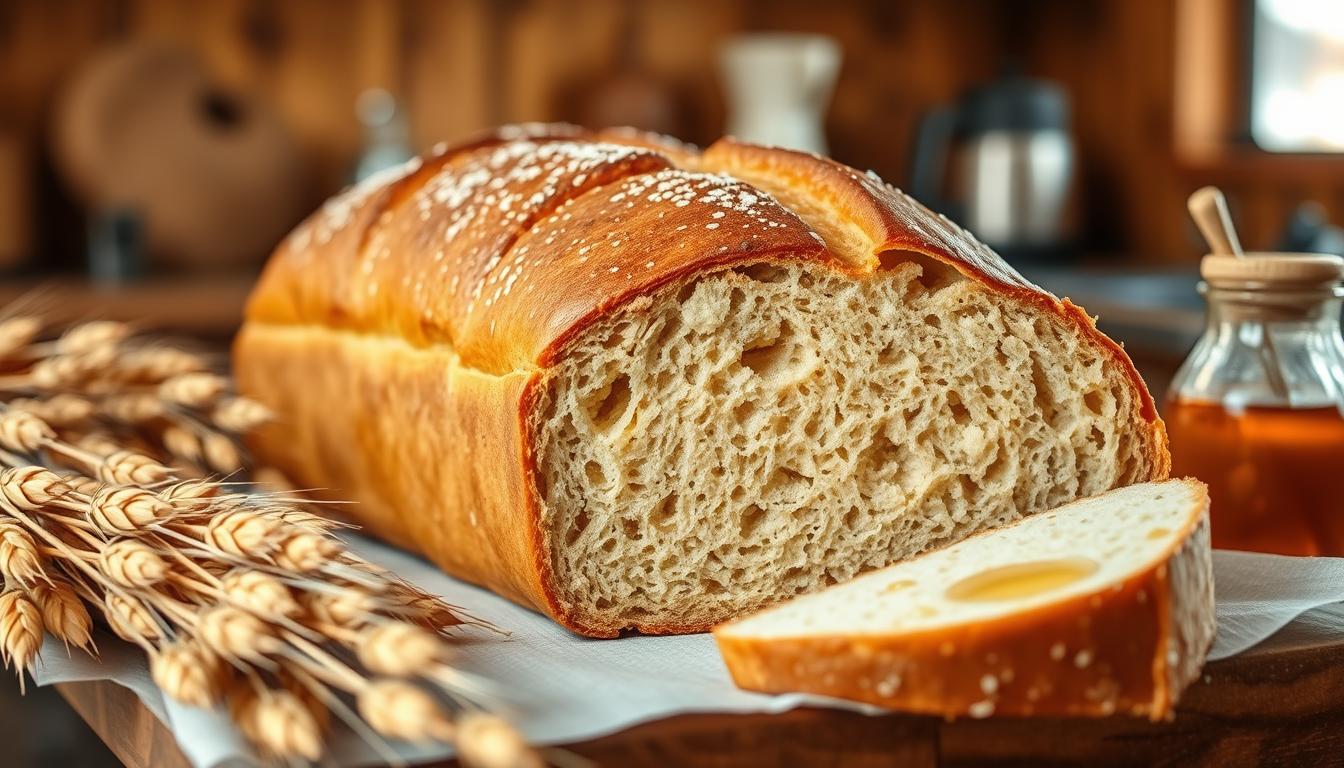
488, 741
243, 532
126, 510
399, 649
20, 561
63, 613
132, 564
258, 592
23, 432
130, 618
95, 334
20, 630
31, 488
131, 468
188, 672
234, 633
400, 710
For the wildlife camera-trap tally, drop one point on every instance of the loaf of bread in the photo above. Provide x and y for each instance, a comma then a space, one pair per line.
1101, 606
639, 386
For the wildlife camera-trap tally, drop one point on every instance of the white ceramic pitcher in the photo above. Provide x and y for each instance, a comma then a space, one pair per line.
778, 87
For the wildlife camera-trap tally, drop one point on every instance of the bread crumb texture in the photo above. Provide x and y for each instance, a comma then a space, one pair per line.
765, 431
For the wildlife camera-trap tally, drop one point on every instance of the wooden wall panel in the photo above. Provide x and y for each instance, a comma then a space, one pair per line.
38, 42
681, 49
1115, 60
450, 88
459, 66
547, 46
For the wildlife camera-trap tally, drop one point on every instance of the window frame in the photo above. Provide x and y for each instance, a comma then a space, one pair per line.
1211, 106
1249, 43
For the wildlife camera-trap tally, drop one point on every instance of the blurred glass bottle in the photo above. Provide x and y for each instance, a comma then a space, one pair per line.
386, 139
1257, 409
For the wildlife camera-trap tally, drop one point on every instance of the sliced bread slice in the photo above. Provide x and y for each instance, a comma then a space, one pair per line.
1100, 606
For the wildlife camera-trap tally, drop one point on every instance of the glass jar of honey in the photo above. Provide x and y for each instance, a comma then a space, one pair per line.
1257, 409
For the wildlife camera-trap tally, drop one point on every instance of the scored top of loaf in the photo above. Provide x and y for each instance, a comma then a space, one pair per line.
505, 247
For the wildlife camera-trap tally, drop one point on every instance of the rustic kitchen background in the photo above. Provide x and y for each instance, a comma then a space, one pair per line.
153, 151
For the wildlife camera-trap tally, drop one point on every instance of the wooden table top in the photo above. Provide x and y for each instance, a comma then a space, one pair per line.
209, 305
1281, 703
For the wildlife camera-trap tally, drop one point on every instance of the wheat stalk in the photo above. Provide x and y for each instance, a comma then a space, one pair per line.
107, 500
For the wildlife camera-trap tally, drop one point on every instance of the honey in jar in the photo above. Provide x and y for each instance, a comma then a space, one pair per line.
1257, 410
1276, 473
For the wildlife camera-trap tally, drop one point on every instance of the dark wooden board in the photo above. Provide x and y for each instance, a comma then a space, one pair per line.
1279, 704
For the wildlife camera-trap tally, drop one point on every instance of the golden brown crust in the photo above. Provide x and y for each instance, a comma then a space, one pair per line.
681, 154
1129, 648
346, 429
479, 264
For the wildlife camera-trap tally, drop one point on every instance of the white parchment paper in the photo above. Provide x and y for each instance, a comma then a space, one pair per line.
564, 688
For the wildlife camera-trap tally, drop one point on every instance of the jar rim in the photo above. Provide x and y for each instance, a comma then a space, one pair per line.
1272, 270
1250, 291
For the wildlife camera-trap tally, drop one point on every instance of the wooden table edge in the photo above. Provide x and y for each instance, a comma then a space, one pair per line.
1283, 704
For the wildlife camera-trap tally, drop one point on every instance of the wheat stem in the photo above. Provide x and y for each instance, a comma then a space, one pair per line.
344, 677
84, 457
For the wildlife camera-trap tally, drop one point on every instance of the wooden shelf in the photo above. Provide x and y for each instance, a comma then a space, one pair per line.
1248, 165
204, 305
